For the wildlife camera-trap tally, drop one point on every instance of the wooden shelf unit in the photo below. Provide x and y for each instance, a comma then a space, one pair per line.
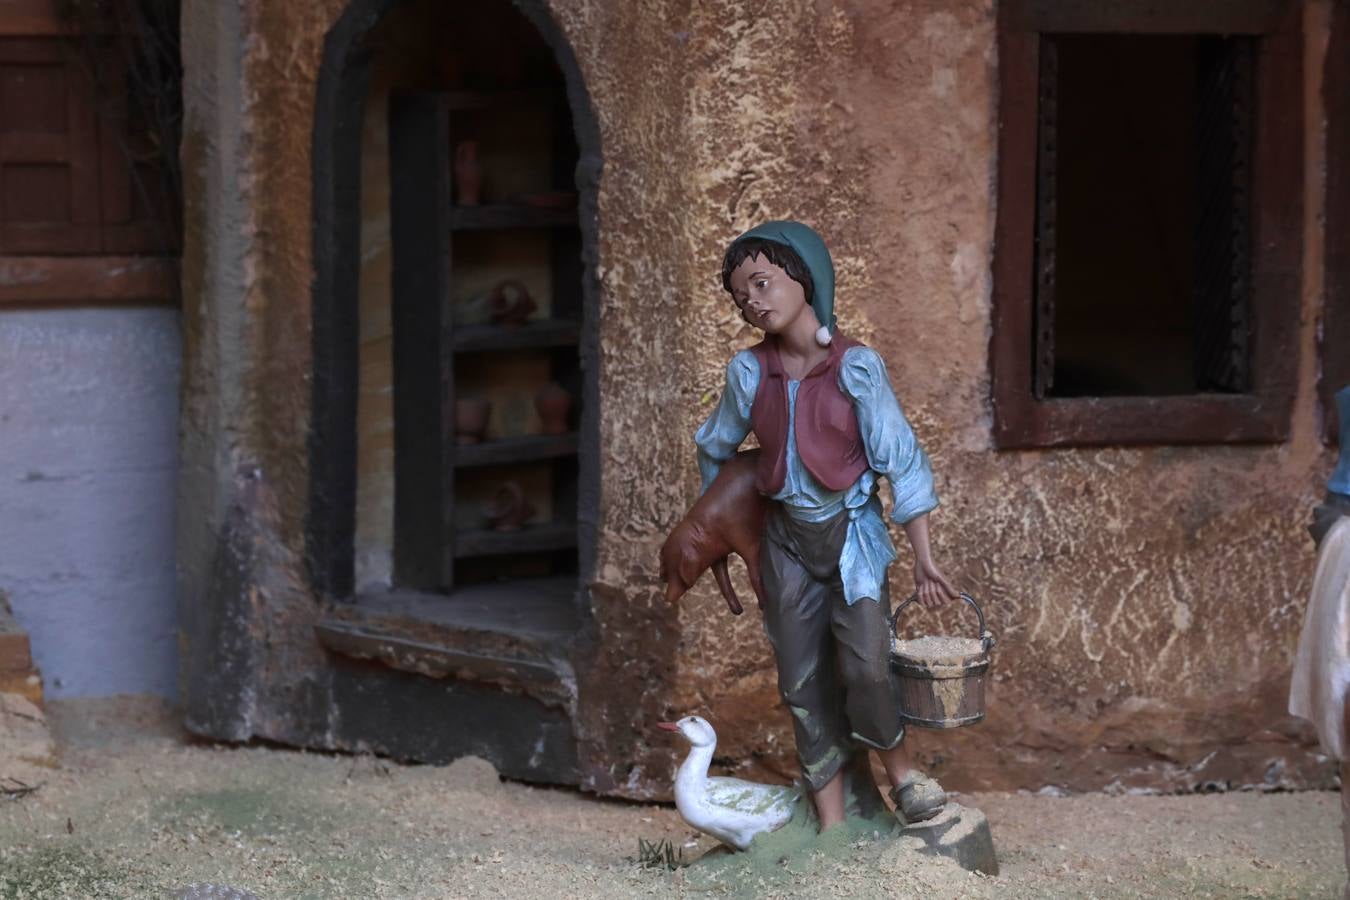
530, 448
432, 524
530, 539
532, 335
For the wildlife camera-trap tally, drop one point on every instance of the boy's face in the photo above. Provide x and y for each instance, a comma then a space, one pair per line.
766, 296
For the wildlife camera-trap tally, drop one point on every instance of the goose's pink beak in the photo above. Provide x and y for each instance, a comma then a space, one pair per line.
667, 726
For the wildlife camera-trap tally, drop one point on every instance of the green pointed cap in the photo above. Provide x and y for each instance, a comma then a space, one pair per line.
810, 246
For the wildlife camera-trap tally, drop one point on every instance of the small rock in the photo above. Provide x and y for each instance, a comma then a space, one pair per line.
27, 751
472, 773
958, 833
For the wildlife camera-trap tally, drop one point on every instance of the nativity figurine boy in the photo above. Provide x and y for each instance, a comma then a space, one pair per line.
829, 427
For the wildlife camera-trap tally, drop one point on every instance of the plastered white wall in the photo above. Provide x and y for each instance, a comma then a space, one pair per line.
88, 449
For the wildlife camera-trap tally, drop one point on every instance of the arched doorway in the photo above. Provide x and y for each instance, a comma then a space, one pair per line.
473, 75
419, 541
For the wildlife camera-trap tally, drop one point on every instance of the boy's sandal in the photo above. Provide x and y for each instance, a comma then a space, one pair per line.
918, 798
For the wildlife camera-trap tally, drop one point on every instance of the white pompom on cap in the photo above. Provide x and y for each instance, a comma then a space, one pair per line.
823, 336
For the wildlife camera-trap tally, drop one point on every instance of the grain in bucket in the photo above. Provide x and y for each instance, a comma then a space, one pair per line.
939, 678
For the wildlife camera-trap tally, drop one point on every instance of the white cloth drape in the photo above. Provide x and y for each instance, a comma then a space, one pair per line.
1322, 665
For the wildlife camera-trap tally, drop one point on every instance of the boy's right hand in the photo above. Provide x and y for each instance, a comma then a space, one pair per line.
932, 587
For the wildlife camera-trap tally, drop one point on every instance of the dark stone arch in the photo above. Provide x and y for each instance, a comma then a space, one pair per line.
336, 165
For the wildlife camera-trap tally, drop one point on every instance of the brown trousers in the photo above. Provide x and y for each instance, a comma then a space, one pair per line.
834, 668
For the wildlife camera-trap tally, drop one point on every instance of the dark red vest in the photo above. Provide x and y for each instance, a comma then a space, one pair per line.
829, 441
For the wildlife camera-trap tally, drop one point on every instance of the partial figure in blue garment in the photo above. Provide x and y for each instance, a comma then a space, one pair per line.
829, 425
1319, 688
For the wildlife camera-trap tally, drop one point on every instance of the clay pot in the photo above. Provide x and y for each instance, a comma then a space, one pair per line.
471, 419
510, 304
553, 403
508, 509
468, 175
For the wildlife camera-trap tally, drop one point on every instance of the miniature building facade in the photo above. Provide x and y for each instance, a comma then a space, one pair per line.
346, 580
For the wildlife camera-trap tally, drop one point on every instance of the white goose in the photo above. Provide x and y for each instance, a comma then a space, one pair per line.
730, 809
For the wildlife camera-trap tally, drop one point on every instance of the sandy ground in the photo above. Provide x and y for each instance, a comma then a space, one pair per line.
137, 810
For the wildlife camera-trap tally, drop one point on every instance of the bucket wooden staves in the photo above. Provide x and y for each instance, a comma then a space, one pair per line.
940, 680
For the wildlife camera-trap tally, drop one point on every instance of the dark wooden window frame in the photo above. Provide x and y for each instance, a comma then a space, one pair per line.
1259, 416
1335, 336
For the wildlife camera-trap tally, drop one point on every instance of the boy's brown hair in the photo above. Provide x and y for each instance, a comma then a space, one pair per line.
781, 255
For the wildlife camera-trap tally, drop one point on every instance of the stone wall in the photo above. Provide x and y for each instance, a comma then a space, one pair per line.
88, 403
1146, 600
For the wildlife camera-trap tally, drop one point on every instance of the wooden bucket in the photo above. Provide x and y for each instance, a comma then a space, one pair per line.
941, 679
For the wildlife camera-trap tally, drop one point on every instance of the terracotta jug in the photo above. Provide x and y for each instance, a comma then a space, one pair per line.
553, 403
471, 419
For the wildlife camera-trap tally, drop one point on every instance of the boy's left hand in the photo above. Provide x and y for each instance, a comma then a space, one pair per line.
932, 586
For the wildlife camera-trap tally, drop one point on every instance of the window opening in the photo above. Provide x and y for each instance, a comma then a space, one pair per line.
1142, 262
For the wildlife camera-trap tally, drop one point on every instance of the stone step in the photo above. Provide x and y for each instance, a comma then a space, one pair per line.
26, 683
27, 750
18, 675
958, 833
15, 655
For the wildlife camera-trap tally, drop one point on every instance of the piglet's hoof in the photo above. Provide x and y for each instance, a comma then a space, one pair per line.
918, 797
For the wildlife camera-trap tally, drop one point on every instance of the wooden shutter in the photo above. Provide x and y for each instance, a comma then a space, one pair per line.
80, 173
49, 156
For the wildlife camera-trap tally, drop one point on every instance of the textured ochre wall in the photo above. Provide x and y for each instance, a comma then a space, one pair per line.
1146, 600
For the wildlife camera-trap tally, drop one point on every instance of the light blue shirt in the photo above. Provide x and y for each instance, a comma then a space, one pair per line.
890, 445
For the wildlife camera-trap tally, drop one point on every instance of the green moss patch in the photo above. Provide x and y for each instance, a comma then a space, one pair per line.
794, 851
64, 872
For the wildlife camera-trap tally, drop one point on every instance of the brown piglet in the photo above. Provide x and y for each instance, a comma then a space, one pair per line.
728, 518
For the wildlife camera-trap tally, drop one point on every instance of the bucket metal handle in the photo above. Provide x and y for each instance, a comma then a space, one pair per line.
986, 636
